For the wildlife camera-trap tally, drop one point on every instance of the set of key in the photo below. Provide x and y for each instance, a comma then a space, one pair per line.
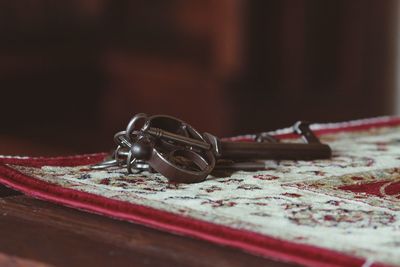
179, 152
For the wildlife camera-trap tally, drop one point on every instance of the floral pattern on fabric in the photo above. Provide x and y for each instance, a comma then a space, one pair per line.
350, 203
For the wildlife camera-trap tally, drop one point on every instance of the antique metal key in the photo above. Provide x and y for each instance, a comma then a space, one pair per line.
179, 152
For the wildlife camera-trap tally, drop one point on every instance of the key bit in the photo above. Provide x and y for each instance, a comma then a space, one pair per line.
303, 128
265, 137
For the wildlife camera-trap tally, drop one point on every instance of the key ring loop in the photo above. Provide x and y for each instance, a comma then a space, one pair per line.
178, 174
121, 140
165, 153
130, 129
105, 164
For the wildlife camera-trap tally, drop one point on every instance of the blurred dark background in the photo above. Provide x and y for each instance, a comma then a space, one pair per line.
74, 72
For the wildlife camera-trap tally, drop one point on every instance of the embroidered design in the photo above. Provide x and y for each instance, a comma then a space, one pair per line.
350, 203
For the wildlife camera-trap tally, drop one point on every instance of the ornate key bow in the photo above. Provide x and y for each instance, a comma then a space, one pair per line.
179, 152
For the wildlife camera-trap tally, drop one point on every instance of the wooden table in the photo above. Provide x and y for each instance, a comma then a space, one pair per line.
37, 233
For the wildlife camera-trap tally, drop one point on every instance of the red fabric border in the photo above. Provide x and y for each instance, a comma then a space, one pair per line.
55, 161
246, 240
390, 122
252, 242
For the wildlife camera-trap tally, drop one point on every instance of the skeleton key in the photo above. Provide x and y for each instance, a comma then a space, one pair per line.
176, 150
313, 149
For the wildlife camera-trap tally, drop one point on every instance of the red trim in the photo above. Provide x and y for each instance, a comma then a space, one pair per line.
246, 240
251, 242
354, 128
56, 161
390, 122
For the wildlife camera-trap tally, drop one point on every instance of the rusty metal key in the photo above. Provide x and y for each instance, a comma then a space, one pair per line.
175, 149
311, 149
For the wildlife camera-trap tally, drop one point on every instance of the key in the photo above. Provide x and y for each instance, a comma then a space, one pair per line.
176, 150
183, 155
312, 149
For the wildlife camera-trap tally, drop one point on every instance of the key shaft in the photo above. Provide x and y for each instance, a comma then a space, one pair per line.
278, 151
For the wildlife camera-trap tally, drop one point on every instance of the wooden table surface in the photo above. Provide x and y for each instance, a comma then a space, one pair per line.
38, 233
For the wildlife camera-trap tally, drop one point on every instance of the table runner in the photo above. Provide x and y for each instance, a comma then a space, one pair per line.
338, 212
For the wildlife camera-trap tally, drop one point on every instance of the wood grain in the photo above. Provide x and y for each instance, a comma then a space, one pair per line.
62, 236
5, 191
12, 261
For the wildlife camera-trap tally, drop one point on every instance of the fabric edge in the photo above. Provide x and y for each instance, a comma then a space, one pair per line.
330, 257
254, 243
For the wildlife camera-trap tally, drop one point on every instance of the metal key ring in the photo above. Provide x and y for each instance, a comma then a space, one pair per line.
130, 129
121, 140
164, 153
175, 173
105, 164
170, 139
